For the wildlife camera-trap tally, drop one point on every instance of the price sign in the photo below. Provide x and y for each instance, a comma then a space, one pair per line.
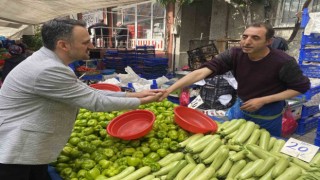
300, 149
196, 102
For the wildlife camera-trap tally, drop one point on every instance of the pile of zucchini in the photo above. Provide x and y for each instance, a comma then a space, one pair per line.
239, 150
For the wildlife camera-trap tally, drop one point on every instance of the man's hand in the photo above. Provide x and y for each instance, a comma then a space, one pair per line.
164, 95
145, 93
151, 98
252, 104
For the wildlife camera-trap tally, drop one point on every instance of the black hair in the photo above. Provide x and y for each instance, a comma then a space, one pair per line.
58, 29
269, 28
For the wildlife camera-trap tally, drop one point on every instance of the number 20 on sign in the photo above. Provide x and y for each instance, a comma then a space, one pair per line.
300, 149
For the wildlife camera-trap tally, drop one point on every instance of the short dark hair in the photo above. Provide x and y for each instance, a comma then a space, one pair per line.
269, 28
57, 29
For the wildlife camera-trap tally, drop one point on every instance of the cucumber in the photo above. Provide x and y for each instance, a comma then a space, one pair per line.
185, 171
236, 168
212, 147
173, 172
220, 159
267, 165
248, 173
196, 172
206, 174
280, 167
138, 173
123, 173
290, 173
254, 137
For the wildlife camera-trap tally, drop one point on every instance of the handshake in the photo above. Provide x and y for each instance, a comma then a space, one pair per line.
148, 96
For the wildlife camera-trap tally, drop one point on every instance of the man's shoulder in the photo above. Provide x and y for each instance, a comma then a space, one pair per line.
280, 55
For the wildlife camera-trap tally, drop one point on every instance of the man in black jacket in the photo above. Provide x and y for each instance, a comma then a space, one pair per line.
100, 31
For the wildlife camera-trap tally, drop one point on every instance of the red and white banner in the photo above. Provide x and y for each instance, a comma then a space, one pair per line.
158, 43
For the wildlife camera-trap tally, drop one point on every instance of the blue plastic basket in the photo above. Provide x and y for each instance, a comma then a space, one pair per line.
317, 141
311, 70
155, 61
306, 125
309, 111
310, 55
312, 39
305, 18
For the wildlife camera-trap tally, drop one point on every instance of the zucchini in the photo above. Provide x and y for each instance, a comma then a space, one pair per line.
220, 159
235, 147
268, 175
148, 177
264, 139
165, 170
189, 159
235, 125
254, 137
165, 159
199, 144
259, 152
246, 133
278, 145
251, 156
301, 164
175, 157
238, 156
212, 147
185, 171
210, 159
241, 129
173, 172
206, 174
236, 168
222, 126
248, 172
248, 165
196, 172
190, 139
280, 167
123, 173
267, 165
226, 166
290, 173
231, 135
271, 143
315, 160
138, 173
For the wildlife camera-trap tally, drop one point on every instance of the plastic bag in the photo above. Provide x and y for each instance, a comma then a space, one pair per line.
184, 97
289, 124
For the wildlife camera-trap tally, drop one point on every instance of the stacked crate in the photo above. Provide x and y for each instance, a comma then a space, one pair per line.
309, 61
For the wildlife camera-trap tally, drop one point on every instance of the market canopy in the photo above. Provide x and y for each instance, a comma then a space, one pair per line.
16, 15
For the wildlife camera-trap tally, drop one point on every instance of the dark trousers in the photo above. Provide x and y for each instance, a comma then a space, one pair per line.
24, 172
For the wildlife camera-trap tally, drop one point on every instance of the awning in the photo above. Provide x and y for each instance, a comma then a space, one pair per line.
16, 15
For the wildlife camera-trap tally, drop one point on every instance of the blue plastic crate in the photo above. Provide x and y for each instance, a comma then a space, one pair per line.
97, 77
310, 55
312, 39
309, 111
305, 18
311, 92
155, 61
306, 125
317, 141
310, 70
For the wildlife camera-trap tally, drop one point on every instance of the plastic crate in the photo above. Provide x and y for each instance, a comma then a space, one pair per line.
317, 141
312, 39
311, 92
213, 89
196, 57
309, 111
310, 55
306, 125
155, 61
305, 18
310, 70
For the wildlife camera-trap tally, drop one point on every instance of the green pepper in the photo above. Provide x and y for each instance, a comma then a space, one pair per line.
88, 164
82, 123
92, 122
134, 143
66, 172
162, 152
174, 145
96, 142
63, 159
182, 137
168, 120
133, 161
61, 166
161, 134
172, 127
166, 140
138, 154
66, 150
164, 145
92, 174
151, 140
108, 152
103, 124
92, 137
145, 150
154, 156
75, 153
87, 131
78, 162
173, 134
122, 161
97, 128
154, 166
163, 127
74, 141
82, 173
146, 161
144, 144
150, 134
128, 151
77, 129
154, 146
104, 163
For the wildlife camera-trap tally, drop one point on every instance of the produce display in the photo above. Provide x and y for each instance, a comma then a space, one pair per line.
239, 150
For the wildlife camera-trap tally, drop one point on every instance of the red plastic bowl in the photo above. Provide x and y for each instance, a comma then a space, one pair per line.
106, 86
193, 120
131, 125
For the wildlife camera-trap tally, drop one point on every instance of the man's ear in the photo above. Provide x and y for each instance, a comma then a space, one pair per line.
269, 41
63, 45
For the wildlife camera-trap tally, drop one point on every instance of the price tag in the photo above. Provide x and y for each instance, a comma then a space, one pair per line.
196, 102
300, 149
